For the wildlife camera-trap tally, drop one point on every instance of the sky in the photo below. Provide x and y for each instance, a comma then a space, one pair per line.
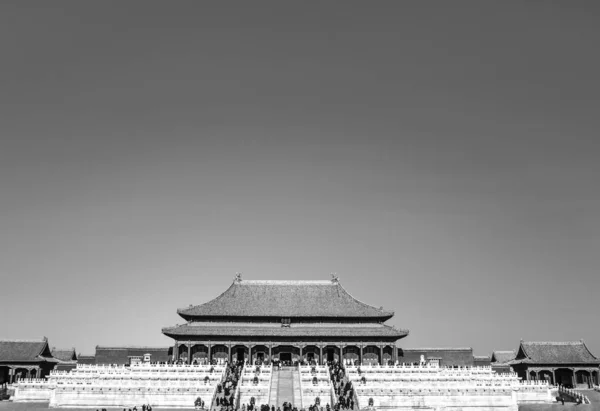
441, 157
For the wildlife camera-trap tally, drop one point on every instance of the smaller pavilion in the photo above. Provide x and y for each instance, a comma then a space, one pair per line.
67, 358
567, 363
500, 361
25, 359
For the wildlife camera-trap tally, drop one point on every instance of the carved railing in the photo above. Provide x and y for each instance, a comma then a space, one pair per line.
577, 396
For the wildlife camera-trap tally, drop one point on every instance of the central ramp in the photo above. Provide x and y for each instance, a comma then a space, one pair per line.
285, 387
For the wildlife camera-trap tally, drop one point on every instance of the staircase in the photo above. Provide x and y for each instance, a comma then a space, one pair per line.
274, 387
285, 387
297, 402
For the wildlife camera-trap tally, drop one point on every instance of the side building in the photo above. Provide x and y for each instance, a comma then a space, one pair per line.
285, 321
568, 363
25, 359
127, 355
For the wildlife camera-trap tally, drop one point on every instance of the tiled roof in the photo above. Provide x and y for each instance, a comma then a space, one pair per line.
552, 352
23, 350
276, 330
65, 355
86, 359
285, 299
503, 357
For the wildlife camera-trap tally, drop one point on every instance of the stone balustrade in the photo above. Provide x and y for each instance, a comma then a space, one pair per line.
434, 386
315, 382
162, 385
255, 384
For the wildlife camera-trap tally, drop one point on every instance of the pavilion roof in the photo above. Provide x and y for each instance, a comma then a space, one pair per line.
503, 357
554, 352
25, 351
64, 355
242, 329
322, 299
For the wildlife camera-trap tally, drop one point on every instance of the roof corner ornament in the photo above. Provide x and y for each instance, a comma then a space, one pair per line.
334, 278
237, 278
381, 308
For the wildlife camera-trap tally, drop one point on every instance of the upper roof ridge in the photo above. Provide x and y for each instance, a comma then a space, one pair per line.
289, 298
554, 342
283, 282
22, 340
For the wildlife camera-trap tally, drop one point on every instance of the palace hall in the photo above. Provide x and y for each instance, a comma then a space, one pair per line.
285, 321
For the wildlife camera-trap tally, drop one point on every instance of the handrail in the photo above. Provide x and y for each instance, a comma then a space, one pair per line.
577, 395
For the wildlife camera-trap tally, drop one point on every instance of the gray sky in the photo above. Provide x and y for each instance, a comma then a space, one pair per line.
442, 158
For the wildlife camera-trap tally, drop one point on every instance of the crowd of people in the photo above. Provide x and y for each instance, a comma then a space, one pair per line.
265, 407
145, 407
225, 397
342, 387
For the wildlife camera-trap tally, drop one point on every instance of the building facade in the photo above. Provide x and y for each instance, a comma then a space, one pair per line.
567, 363
285, 321
25, 359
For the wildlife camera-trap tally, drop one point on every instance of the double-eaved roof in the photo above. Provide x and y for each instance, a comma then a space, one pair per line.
312, 299
553, 352
285, 310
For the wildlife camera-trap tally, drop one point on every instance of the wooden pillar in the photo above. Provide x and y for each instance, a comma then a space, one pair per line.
554, 376
360, 360
189, 347
321, 354
270, 352
209, 345
250, 354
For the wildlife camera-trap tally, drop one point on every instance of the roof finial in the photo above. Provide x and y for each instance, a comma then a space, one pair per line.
238, 278
334, 278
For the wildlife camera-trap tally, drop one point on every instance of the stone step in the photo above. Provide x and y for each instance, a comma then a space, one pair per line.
285, 389
297, 394
274, 387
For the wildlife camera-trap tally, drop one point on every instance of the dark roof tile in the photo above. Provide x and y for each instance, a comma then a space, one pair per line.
23, 350
553, 352
285, 299
65, 355
503, 357
276, 330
